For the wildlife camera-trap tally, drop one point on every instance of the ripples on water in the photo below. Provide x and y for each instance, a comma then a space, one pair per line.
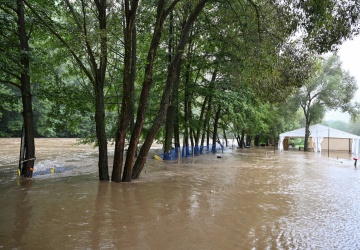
248, 199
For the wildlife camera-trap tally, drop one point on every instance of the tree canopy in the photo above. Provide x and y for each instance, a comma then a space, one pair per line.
329, 87
137, 71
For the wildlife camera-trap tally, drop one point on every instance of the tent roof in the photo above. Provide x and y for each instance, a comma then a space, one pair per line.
319, 130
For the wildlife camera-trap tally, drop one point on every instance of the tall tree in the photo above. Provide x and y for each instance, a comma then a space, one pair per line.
171, 77
162, 13
127, 106
18, 72
93, 40
330, 87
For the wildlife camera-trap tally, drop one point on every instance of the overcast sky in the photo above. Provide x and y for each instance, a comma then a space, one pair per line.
349, 53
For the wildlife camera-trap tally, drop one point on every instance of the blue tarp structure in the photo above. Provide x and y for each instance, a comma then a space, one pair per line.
190, 151
56, 169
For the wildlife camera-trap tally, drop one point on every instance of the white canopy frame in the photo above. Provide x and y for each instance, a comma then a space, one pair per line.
317, 133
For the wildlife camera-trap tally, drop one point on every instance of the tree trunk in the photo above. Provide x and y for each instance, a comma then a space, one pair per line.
242, 139
98, 69
198, 130
208, 110
257, 141
140, 118
186, 110
172, 76
248, 140
307, 126
169, 131
226, 142
172, 123
208, 135
307, 134
27, 113
132, 79
170, 117
128, 90
238, 139
216, 121
176, 125
101, 134
100, 74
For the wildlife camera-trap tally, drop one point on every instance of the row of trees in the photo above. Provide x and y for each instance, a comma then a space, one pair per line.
137, 71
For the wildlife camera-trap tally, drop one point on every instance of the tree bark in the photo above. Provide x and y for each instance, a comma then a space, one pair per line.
306, 110
208, 110
100, 74
307, 135
216, 122
162, 13
186, 110
198, 130
170, 117
101, 134
172, 75
242, 139
27, 113
226, 142
238, 139
257, 141
128, 90
97, 73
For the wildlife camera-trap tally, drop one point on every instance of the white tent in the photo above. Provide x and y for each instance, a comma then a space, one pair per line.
320, 132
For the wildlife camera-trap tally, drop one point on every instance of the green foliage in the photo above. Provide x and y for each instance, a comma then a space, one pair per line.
328, 22
10, 108
329, 88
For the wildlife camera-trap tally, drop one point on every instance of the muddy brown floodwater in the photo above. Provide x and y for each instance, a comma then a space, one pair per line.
247, 199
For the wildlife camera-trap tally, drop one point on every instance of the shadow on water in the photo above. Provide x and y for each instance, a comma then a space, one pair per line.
247, 199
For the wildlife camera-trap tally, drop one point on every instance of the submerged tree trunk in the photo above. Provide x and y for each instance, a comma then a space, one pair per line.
307, 135
172, 76
25, 88
186, 110
248, 140
238, 139
171, 114
306, 110
208, 110
162, 13
257, 141
128, 89
242, 139
101, 135
216, 121
177, 127
198, 130
100, 75
172, 120
226, 142
98, 65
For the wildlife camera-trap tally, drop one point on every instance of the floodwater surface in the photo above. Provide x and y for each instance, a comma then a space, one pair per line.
247, 199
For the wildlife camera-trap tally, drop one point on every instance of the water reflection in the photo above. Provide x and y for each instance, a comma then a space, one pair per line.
23, 210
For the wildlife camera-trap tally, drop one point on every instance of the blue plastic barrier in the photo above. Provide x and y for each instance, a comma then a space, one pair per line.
190, 151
